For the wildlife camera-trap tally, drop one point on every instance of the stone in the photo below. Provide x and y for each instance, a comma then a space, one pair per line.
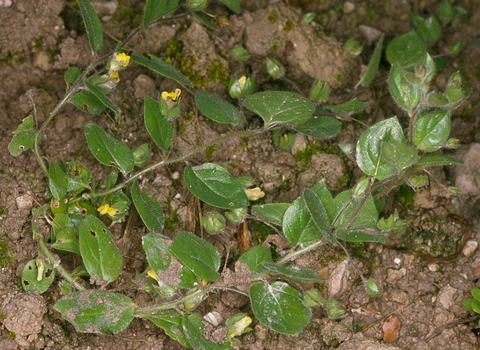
433, 267
390, 329
337, 281
104, 8
144, 87
42, 61
470, 248
348, 7
394, 275
446, 297
467, 177
299, 144
24, 202
371, 34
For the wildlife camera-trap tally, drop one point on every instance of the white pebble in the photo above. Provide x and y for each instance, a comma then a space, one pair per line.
470, 248
433, 267
397, 261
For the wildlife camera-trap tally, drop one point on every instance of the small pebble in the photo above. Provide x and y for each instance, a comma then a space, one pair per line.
175, 175
5, 3
397, 261
371, 34
24, 202
214, 318
348, 7
433, 267
470, 248
390, 329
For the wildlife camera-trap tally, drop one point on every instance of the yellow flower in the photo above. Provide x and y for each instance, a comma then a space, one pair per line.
254, 194
172, 95
114, 75
107, 209
242, 81
118, 62
154, 275
123, 58
240, 327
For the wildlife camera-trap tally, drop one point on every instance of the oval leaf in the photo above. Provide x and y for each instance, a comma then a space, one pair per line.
157, 8
293, 272
272, 213
86, 101
369, 148
97, 311
323, 128
350, 107
57, 181
108, 150
100, 255
280, 107
35, 279
279, 307
193, 329
431, 131
367, 217
437, 160
24, 137
161, 67
198, 255
92, 25
254, 258
317, 211
214, 185
148, 208
171, 322
218, 109
159, 128
406, 50
101, 97
157, 250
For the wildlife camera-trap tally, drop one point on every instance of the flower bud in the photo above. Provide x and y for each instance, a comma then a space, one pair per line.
420, 71
142, 155
361, 187
214, 223
241, 87
254, 194
236, 215
170, 103
313, 298
320, 91
453, 143
372, 288
275, 68
418, 180
239, 327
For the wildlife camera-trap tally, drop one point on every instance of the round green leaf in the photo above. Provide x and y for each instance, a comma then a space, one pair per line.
367, 217
372, 288
254, 258
157, 251
24, 137
214, 185
97, 311
37, 277
108, 150
272, 213
431, 131
198, 255
279, 307
323, 128
406, 50
280, 107
218, 109
100, 255
369, 148
405, 94
148, 208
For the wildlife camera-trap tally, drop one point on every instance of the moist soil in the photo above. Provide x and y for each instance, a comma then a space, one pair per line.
41, 39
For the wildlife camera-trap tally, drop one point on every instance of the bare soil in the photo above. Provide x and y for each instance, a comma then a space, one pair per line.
40, 39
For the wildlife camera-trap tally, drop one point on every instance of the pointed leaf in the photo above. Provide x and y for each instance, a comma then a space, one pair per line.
171, 322
108, 150
369, 148
272, 213
405, 94
214, 185
101, 97
198, 255
97, 311
406, 50
372, 68
254, 258
159, 128
367, 217
218, 109
65, 231
161, 67
35, 279
431, 131
279, 307
437, 160
92, 25
318, 213
24, 137
280, 107
148, 208
157, 8
293, 271
100, 254
233, 5
365, 235
57, 181
71, 76
193, 329
86, 101
320, 127
157, 250
399, 155
350, 107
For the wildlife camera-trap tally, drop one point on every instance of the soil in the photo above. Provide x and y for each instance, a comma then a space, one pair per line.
41, 39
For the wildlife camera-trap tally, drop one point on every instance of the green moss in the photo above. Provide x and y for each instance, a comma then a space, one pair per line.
358, 249
172, 221
260, 232
3, 210
38, 43
272, 17
6, 254
182, 128
11, 335
209, 151
318, 148
406, 196
217, 73
371, 13
289, 26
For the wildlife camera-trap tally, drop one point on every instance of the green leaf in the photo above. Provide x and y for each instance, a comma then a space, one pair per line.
214, 185
239, 53
437, 160
108, 150
350, 107
467, 304
475, 304
435, 100
71, 76
323, 128
198, 255
320, 219
405, 94
37, 275
101, 97
188, 279
193, 329
293, 271
171, 322
157, 250
65, 232
399, 154
431, 131
148, 208
372, 288
279, 307
475, 293
161, 67
372, 68
159, 128
86, 101
320, 91
24, 137
280, 107
429, 30
272, 213
157, 8
254, 257
358, 235
369, 148
57, 181
92, 25
100, 254
218, 109
78, 176
334, 310
327, 200
406, 50
367, 217
233, 5
97, 311
445, 12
